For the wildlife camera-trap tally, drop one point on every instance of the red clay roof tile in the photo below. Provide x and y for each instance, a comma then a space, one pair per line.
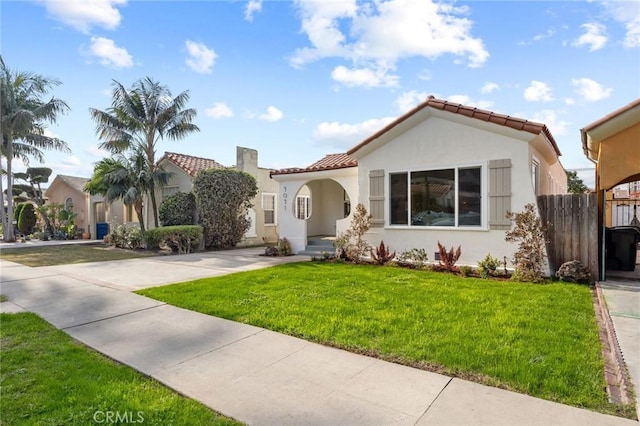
329, 162
190, 164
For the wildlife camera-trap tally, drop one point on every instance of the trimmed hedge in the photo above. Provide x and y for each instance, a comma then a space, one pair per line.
178, 209
27, 219
181, 239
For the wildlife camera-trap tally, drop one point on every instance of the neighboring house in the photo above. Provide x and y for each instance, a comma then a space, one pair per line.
94, 213
441, 172
183, 168
612, 143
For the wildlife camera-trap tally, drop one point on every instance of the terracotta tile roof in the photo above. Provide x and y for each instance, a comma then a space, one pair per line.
74, 182
479, 114
190, 164
329, 162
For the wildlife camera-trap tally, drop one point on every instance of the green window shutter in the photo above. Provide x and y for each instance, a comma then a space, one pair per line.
376, 198
499, 194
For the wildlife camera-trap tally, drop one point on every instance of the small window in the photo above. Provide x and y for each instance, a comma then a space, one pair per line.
535, 175
168, 191
68, 204
303, 207
269, 208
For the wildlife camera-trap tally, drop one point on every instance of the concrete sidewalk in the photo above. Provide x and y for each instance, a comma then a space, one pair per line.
251, 374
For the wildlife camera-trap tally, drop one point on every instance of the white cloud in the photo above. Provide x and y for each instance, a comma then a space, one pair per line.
200, 58
538, 91
273, 114
219, 110
590, 90
72, 161
628, 14
365, 77
94, 151
569, 101
550, 32
252, 7
425, 75
109, 54
376, 35
467, 101
489, 87
408, 100
595, 36
344, 135
85, 14
551, 119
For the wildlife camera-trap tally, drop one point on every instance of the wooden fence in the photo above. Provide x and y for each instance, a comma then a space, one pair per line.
572, 229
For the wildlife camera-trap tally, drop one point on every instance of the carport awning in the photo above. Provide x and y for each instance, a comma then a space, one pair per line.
613, 142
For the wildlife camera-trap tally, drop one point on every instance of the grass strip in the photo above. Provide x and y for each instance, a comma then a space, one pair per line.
69, 254
49, 378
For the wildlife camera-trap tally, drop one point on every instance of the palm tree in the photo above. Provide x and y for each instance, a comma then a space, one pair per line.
125, 178
139, 118
23, 114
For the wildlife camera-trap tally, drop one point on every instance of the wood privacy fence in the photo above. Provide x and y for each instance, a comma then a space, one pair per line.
572, 229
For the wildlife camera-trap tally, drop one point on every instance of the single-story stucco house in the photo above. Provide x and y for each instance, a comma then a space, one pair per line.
90, 209
441, 172
183, 168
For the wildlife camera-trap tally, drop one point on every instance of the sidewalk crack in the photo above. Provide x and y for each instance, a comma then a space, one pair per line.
113, 316
434, 401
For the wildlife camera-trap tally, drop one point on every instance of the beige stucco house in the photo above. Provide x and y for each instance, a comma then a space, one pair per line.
183, 168
441, 172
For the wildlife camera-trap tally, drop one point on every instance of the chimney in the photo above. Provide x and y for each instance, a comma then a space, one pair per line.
247, 160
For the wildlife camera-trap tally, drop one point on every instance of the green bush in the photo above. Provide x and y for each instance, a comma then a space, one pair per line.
127, 236
16, 212
180, 238
178, 209
27, 218
488, 266
223, 197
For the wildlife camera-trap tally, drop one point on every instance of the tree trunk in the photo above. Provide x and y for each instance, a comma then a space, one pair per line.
9, 235
137, 205
154, 205
3, 213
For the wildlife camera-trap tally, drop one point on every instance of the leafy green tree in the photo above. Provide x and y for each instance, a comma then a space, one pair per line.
178, 209
575, 184
34, 178
138, 118
23, 115
27, 219
223, 197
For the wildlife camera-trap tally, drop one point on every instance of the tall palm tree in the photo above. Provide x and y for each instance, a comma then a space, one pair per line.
23, 114
138, 118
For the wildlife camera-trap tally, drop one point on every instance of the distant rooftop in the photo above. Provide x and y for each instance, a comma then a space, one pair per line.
191, 164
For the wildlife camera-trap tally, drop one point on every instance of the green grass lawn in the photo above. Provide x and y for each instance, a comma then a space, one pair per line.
67, 254
48, 378
537, 339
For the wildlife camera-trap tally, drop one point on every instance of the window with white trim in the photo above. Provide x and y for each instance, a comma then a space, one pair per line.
168, 191
303, 207
446, 197
535, 175
269, 208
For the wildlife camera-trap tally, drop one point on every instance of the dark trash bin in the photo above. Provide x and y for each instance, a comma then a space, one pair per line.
621, 245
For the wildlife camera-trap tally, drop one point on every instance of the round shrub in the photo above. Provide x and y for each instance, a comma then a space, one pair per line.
178, 209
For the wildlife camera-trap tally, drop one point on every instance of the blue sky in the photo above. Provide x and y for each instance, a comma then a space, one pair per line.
299, 80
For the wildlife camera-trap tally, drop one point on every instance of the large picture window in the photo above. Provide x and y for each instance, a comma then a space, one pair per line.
446, 197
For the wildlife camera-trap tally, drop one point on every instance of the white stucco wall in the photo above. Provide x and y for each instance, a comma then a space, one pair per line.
294, 229
437, 143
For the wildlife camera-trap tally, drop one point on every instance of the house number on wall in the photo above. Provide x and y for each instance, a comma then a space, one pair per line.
284, 198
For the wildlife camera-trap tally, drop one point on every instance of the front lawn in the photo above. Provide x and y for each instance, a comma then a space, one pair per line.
537, 339
48, 378
67, 254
